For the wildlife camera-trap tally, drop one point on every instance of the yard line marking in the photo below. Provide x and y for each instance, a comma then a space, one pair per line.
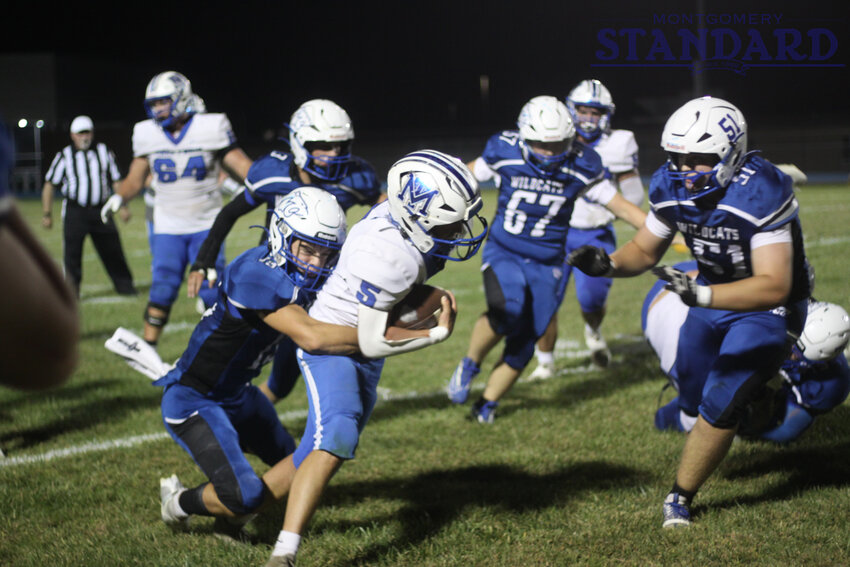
564, 349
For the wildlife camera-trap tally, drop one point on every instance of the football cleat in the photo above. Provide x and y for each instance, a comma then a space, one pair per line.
544, 371
287, 560
461, 380
600, 356
676, 512
484, 411
169, 489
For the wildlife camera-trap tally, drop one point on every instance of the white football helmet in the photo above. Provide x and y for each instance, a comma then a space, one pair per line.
320, 122
826, 333
311, 215
428, 190
177, 88
593, 93
710, 126
545, 119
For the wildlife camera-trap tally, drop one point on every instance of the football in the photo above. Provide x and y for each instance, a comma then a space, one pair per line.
419, 309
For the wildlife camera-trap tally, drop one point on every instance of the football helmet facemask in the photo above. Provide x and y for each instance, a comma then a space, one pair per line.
176, 88
321, 124
826, 333
594, 94
307, 215
713, 129
434, 200
545, 120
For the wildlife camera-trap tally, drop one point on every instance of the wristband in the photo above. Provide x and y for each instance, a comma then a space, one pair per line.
439, 334
703, 296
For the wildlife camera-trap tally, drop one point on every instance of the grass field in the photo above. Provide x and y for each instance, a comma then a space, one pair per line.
571, 473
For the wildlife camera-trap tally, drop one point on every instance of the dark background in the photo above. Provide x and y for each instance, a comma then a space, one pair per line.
408, 72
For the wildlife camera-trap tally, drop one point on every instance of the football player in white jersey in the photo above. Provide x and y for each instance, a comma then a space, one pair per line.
430, 216
591, 106
184, 148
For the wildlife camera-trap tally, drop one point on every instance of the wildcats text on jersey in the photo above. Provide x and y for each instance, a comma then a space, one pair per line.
711, 232
537, 184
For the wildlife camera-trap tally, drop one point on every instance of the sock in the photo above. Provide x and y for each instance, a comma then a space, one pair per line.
192, 501
152, 343
544, 358
682, 492
287, 543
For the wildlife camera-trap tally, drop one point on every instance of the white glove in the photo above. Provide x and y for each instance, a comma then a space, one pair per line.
111, 207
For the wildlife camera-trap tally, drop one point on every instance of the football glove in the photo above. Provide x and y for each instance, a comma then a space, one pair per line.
591, 260
692, 294
111, 207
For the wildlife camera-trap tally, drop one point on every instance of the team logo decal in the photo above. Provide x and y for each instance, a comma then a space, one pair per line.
295, 206
417, 193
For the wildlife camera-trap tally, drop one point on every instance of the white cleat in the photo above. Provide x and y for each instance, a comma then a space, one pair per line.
600, 356
544, 371
169, 489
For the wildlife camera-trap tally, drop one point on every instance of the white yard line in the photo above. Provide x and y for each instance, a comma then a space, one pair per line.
564, 349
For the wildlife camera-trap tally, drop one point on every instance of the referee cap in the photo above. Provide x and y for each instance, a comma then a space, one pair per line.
81, 124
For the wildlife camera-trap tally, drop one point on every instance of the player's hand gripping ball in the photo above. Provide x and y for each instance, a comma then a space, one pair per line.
419, 309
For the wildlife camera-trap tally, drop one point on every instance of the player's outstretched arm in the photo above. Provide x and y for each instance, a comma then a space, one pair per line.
128, 188
378, 341
312, 335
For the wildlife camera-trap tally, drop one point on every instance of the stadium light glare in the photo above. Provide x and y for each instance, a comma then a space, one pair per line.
39, 123
22, 123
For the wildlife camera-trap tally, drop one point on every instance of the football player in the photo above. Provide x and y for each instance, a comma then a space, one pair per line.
738, 215
591, 107
320, 139
814, 379
184, 149
209, 406
540, 174
430, 216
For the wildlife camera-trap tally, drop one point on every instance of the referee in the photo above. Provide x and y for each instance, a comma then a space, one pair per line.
86, 172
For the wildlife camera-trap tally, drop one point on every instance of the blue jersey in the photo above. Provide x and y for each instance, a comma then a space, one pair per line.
533, 212
759, 199
275, 175
230, 345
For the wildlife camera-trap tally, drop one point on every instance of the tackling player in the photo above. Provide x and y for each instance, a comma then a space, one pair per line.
429, 217
321, 135
184, 149
591, 107
812, 381
739, 218
209, 406
540, 174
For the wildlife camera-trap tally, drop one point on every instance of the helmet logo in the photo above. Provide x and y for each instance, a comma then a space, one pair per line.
416, 195
294, 206
732, 129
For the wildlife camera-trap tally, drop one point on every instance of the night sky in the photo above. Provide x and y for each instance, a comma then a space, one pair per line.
416, 66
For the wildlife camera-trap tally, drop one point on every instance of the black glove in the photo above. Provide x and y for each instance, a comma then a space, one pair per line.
678, 282
591, 260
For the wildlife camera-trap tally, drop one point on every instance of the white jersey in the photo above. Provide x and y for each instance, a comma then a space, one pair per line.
377, 267
664, 318
619, 152
185, 170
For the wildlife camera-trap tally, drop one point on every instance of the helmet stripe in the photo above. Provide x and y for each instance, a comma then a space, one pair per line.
450, 166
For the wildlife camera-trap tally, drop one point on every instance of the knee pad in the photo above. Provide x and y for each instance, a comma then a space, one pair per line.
243, 497
156, 321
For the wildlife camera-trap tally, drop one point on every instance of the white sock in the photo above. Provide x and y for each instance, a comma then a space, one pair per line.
545, 358
287, 543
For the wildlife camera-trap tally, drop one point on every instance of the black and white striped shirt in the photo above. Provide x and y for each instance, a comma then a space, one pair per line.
86, 176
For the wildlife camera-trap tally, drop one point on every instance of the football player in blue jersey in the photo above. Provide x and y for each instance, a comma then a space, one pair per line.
320, 139
209, 406
814, 379
738, 215
540, 173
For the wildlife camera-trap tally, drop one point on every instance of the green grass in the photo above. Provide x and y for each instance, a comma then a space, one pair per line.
571, 473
